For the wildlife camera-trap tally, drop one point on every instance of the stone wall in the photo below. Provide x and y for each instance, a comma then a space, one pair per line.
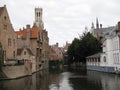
19, 70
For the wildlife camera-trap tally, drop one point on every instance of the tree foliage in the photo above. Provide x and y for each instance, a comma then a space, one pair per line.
85, 46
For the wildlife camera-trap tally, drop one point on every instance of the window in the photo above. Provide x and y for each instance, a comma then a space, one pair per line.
104, 59
14, 54
19, 36
14, 42
9, 42
24, 52
5, 27
37, 14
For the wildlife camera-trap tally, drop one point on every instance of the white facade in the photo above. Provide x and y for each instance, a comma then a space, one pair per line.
110, 56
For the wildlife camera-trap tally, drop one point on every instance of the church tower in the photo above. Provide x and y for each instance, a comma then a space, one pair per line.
92, 29
38, 18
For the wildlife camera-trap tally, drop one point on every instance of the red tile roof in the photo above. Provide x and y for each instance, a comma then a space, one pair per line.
34, 31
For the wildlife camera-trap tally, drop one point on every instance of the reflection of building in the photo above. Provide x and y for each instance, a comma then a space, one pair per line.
7, 36
109, 59
103, 80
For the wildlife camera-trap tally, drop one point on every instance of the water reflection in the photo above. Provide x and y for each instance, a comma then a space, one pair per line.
106, 80
38, 81
72, 79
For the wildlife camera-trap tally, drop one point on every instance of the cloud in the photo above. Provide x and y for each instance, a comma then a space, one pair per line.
63, 19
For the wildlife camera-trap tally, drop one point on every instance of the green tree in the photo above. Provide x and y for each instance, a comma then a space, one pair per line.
80, 48
73, 51
89, 45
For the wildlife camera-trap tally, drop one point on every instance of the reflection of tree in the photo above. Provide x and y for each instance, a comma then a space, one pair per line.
83, 84
42, 80
54, 80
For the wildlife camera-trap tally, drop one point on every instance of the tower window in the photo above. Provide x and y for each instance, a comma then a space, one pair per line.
37, 14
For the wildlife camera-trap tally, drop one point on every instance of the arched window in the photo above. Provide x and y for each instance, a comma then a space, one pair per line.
37, 14
104, 59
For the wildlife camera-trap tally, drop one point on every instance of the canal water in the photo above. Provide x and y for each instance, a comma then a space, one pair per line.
69, 79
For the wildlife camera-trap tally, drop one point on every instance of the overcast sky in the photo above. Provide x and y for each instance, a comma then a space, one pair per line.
64, 19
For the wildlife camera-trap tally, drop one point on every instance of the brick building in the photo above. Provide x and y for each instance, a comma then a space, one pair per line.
36, 39
56, 52
7, 36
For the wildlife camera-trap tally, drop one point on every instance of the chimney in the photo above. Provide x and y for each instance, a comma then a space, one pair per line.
20, 29
4, 5
28, 26
119, 25
57, 44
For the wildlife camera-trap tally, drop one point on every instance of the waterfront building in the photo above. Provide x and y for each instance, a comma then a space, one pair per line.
25, 57
109, 59
56, 52
7, 36
25, 51
36, 39
99, 31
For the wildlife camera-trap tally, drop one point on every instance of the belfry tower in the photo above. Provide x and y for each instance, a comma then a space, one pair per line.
38, 18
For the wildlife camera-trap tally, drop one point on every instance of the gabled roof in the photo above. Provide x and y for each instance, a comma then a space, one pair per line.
29, 51
20, 50
1, 10
104, 31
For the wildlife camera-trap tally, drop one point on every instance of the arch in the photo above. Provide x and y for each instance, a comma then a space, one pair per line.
104, 58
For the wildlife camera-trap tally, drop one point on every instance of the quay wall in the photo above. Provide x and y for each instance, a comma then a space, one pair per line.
15, 71
102, 69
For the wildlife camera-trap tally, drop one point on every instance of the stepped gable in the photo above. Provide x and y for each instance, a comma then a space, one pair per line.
1, 10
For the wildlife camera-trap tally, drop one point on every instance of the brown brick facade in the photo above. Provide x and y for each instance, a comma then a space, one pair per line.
7, 35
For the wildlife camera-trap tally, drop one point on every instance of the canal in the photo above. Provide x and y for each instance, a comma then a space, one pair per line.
69, 79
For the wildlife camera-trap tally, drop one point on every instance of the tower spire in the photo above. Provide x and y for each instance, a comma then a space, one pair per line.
97, 23
92, 28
